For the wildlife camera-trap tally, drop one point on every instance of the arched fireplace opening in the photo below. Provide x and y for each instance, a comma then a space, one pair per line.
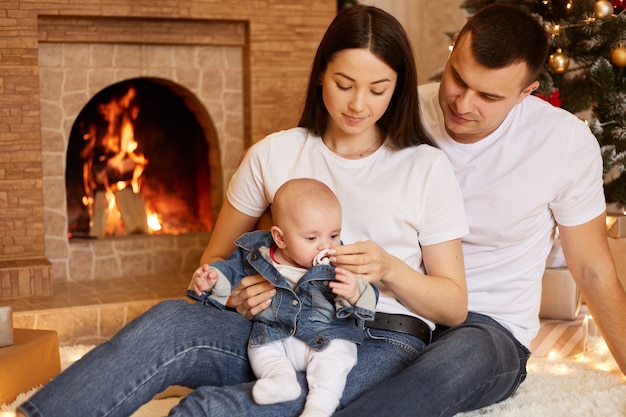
138, 162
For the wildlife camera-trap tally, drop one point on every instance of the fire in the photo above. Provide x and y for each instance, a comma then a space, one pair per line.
113, 207
138, 162
153, 222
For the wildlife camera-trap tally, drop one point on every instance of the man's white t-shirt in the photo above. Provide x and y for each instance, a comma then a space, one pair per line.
400, 199
540, 165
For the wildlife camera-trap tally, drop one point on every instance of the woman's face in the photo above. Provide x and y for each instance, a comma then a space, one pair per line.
357, 88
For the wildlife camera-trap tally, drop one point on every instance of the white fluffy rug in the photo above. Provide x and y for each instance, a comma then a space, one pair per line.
587, 385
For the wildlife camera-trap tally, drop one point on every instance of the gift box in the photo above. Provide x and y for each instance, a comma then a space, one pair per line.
616, 220
562, 339
560, 296
32, 360
6, 326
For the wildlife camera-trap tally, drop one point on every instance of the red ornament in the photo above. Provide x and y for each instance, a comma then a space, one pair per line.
619, 5
553, 98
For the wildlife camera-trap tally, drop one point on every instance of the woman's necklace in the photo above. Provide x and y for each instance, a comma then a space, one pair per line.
363, 154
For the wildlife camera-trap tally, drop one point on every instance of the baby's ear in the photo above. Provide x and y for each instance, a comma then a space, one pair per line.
277, 235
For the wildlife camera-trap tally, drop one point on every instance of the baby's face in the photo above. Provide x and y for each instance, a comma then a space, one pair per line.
311, 230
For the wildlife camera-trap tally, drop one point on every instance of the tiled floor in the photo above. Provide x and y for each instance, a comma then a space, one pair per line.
91, 312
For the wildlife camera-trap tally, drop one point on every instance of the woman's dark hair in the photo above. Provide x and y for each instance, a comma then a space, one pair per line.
367, 27
503, 35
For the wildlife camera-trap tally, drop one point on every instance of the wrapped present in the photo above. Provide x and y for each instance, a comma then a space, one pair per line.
615, 220
6, 326
562, 339
560, 296
32, 361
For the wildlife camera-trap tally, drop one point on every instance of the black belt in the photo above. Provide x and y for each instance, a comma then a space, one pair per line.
401, 324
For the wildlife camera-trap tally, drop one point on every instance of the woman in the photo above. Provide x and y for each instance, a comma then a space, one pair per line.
361, 135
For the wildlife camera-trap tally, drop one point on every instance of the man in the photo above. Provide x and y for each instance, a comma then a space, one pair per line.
523, 167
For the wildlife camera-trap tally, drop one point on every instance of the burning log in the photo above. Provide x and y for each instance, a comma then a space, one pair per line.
132, 210
99, 219
110, 208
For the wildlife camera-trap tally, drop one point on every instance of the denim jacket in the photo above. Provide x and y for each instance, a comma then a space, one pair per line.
310, 311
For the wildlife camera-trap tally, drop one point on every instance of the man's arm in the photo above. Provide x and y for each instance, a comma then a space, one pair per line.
589, 260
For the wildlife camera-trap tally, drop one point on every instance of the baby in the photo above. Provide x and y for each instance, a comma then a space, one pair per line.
310, 325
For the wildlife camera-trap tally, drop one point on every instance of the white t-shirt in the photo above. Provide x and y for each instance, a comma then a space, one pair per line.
400, 199
540, 165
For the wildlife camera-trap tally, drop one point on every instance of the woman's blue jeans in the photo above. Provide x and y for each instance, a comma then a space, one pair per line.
177, 343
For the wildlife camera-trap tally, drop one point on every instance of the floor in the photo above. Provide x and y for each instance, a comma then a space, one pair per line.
91, 312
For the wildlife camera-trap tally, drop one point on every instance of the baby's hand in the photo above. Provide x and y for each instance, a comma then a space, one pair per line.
204, 279
346, 285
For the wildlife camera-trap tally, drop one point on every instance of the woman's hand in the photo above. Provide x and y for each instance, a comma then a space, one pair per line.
440, 295
365, 259
252, 295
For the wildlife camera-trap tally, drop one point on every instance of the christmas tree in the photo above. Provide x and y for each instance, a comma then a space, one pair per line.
586, 72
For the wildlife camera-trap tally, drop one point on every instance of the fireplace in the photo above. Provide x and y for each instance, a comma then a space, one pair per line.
239, 67
137, 163
76, 77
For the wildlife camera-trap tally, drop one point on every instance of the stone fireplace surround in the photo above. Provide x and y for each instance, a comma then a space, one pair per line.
245, 62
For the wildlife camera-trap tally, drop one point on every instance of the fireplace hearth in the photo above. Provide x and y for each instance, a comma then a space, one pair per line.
237, 65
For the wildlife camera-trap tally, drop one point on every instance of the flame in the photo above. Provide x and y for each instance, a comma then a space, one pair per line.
120, 166
153, 222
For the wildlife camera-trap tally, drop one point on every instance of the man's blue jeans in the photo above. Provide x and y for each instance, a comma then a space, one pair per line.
177, 343
465, 368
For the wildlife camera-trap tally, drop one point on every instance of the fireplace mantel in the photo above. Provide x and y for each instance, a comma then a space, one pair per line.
277, 38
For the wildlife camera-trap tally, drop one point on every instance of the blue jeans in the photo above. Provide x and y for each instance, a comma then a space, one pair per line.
177, 343
465, 368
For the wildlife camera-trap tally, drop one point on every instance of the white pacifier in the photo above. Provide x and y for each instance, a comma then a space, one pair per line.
321, 258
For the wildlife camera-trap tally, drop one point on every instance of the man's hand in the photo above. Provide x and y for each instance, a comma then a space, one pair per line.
252, 295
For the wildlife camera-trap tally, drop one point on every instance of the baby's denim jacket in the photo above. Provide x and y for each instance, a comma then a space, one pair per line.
310, 311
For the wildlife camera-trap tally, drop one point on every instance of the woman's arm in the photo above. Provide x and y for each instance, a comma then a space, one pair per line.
230, 224
440, 296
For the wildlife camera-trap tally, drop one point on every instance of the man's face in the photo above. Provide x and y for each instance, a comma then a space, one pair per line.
475, 99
